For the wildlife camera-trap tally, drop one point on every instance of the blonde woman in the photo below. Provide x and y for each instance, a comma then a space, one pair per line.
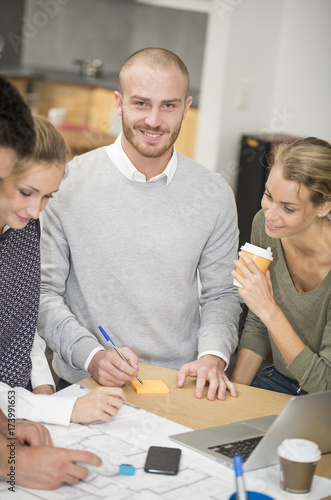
290, 306
23, 195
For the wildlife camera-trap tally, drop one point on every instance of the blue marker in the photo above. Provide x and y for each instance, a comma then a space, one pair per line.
241, 491
118, 352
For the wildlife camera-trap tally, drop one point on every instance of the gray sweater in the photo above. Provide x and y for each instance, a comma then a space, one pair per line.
125, 255
309, 314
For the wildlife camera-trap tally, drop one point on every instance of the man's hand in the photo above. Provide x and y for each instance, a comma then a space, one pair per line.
107, 368
49, 468
32, 434
28, 433
210, 369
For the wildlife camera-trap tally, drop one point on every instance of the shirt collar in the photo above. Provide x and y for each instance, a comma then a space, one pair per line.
126, 167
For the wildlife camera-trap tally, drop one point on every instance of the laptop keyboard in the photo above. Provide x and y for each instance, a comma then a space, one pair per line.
243, 448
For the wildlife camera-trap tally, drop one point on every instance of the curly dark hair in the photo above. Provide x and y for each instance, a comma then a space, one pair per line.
16, 123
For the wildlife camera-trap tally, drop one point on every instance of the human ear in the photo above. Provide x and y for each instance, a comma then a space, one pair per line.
118, 102
188, 103
324, 209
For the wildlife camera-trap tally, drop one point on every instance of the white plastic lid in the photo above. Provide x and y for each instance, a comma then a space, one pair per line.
299, 450
261, 252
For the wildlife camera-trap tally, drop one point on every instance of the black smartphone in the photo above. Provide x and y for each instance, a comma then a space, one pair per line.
162, 460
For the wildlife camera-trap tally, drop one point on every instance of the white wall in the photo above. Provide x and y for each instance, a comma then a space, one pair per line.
282, 47
304, 67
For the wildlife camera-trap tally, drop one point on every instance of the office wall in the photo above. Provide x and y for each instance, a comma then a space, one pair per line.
283, 48
251, 53
10, 22
109, 30
303, 81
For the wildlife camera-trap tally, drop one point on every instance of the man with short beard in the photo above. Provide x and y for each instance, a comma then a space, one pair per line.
125, 238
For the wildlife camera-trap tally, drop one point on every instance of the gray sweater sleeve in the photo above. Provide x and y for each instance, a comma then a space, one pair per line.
220, 304
56, 324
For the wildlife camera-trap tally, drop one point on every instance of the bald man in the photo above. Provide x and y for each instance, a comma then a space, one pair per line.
125, 239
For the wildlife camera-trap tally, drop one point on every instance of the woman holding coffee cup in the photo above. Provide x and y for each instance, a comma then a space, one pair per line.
290, 305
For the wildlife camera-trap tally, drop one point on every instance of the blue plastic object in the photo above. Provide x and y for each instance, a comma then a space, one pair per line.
253, 495
127, 470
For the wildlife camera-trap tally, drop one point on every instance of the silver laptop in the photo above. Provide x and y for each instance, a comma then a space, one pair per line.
256, 440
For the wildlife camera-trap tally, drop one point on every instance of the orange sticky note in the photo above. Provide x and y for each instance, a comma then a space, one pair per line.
150, 387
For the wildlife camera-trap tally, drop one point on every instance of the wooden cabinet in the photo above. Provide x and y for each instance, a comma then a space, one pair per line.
185, 143
29, 89
20, 84
102, 109
75, 98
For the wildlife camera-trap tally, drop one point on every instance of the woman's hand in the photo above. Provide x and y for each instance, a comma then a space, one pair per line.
257, 289
258, 294
102, 403
43, 389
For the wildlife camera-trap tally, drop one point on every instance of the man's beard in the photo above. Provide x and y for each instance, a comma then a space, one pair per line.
149, 150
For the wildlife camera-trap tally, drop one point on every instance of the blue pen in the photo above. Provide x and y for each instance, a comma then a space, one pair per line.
118, 352
241, 491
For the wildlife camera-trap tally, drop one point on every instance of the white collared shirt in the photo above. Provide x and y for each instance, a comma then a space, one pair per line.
126, 167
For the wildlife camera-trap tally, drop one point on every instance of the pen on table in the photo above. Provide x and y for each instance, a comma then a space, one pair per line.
87, 389
241, 491
118, 352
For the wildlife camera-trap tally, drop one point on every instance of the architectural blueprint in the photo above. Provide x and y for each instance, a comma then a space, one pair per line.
126, 440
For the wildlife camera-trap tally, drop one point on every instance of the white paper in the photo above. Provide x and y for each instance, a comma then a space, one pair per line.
126, 440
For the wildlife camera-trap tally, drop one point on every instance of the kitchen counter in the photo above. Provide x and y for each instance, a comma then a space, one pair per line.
106, 80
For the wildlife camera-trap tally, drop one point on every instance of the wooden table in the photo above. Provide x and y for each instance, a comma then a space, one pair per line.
181, 405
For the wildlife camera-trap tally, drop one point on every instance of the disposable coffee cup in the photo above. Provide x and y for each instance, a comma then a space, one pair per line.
261, 256
57, 116
298, 459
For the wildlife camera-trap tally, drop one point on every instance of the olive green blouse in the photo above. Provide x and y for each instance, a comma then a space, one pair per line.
309, 313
